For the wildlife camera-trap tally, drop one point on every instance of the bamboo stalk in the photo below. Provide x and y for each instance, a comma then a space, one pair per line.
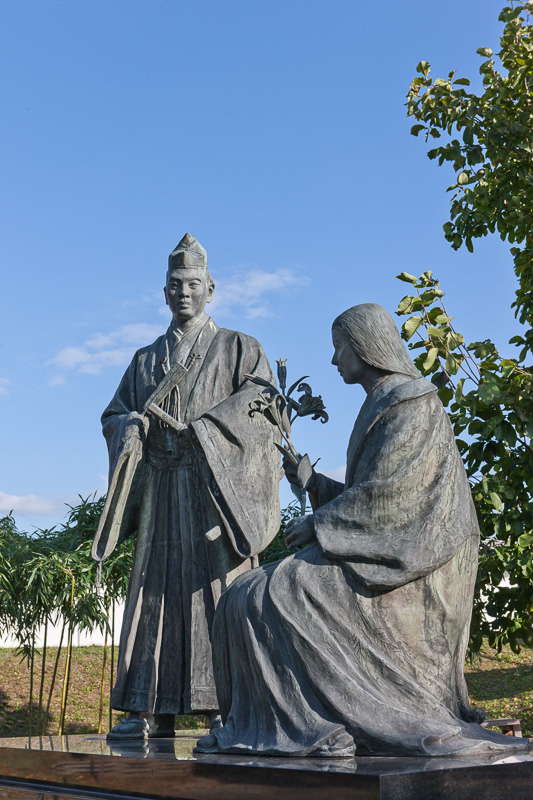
32, 662
102, 682
66, 685
41, 688
54, 675
112, 661
66, 679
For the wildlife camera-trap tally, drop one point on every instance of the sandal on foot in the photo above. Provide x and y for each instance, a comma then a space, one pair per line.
207, 744
130, 728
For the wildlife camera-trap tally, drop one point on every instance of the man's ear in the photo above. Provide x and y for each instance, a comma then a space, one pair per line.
210, 292
165, 291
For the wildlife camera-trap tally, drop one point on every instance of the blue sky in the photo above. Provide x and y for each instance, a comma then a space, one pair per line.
272, 130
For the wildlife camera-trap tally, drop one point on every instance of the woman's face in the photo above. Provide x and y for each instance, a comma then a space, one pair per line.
352, 368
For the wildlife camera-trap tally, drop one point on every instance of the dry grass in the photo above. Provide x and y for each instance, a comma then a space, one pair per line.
83, 699
501, 684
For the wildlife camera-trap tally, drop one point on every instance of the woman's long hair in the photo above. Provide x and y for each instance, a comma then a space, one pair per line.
374, 336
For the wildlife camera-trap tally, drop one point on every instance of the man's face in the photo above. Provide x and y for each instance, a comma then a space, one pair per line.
187, 291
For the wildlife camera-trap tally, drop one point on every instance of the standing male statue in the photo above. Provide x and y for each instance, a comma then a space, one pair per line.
197, 478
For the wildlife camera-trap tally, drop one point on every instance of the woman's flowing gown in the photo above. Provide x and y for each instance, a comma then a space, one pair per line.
362, 635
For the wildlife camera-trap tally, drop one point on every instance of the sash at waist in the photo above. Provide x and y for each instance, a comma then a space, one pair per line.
166, 449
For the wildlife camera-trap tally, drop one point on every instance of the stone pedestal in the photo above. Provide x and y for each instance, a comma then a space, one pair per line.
86, 768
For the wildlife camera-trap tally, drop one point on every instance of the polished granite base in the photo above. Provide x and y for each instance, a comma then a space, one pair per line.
86, 768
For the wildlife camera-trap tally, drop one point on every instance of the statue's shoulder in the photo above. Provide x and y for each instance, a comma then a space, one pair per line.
150, 350
225, 335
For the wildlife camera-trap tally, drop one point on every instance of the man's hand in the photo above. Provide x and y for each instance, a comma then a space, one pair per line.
136, 424
300, 531
135, 431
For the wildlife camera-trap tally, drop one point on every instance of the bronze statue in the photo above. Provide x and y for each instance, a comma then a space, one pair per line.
197, 479
356, 643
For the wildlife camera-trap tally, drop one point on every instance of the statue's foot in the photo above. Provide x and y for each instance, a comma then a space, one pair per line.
130, 728
215, 721
144, 726
207, 744
160, 726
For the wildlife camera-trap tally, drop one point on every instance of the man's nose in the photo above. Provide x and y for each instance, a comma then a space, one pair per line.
334, 360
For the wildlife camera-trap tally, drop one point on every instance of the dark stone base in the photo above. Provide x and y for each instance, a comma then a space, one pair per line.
86, 768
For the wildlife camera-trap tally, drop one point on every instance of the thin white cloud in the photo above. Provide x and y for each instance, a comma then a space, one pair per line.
250, 292
337, 473
43, 505
103, 350
4, 385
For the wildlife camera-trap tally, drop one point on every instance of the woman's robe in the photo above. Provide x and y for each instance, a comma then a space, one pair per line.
362, 634
198, 519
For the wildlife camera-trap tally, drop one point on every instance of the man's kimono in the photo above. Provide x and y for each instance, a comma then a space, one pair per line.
204, 503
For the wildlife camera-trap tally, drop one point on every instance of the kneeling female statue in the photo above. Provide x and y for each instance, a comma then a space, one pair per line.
356, 644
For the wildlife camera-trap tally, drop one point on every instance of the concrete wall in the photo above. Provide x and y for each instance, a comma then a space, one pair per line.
79, 639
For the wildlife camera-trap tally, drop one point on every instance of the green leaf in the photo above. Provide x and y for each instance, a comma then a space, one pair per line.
459, 390
438, 334
411, 325
462, 178
453, 363
483, 51
526, 540
430, 358
407, 278
445, 394
507, 433
423, 67
415, 130
462, 81
489, 389
496, 501
408, 305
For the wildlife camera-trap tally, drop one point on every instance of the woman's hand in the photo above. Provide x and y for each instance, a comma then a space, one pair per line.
290, 470
300, 531
291, 473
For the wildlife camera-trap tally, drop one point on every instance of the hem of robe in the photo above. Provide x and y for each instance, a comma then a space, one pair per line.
204, 700
279, 730
468, 739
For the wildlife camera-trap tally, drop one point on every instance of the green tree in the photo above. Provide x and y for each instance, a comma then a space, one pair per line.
489, 397
48, 576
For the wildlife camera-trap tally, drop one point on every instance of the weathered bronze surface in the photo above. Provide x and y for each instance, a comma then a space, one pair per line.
196, 478
356, 644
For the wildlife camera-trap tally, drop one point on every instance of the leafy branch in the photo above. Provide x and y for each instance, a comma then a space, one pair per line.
493, 154
492, 416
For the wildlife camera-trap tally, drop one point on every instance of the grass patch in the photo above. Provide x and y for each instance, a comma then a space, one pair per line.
83, 701
502, 684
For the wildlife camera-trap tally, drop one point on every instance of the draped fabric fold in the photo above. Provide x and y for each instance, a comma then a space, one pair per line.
362, 634
195, 533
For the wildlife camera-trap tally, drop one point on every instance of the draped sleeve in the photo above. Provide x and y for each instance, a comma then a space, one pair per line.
324, 490
407, 507
239, 449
